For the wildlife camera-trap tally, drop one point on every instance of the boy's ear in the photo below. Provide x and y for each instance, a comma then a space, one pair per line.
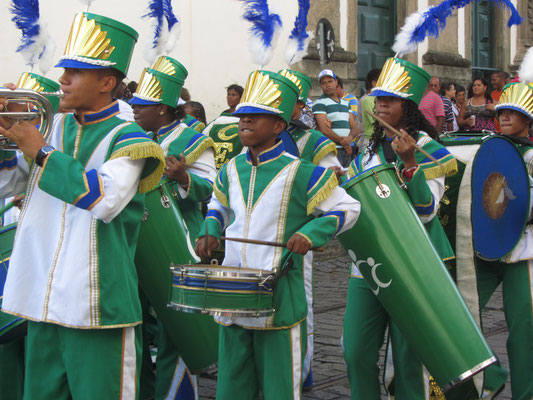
108, 83
279, 126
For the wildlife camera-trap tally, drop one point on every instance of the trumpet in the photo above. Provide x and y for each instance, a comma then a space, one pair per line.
35, 101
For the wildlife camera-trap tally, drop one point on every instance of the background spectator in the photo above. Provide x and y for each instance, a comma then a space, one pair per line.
329, 107
233, 97
447, 93
498, 80
477, 114
368, 103
350, 98
432, 106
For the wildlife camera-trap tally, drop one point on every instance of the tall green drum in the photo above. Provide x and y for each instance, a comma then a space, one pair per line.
11, 326
391, 248
164, 239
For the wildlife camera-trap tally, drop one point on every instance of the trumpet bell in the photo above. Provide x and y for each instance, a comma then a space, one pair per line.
38, 106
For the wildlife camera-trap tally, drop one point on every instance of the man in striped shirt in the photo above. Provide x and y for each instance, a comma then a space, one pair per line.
333, 116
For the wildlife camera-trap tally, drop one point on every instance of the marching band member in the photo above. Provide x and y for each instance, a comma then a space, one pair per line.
399, 90
71, 272
191, 168
316, 148
268, 194
515, 271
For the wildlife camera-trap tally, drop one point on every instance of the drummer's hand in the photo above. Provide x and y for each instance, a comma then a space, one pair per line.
405, 148
177, 170
298, 244
200, 248
26, 136
338, 171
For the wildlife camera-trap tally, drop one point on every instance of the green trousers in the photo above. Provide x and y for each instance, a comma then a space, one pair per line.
270, 361
12, 369
364, 327
67, 363
517, 281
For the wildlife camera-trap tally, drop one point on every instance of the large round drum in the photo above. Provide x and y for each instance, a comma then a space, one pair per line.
222, 291
391, 248
164, 239
11, 326
500, 198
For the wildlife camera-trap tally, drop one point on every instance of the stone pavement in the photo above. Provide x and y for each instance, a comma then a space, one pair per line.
329, 370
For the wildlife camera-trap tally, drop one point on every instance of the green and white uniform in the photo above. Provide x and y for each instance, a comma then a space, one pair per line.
365, 320
515, 273
75, 245
316, 148
273, 200
173, 379
193, 123
225, 133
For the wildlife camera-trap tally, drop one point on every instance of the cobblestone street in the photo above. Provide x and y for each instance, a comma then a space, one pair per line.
329, 370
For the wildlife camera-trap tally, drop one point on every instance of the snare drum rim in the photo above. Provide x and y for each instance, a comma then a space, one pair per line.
221, 312
221, 272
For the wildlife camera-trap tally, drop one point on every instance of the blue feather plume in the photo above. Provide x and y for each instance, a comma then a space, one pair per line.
35, 44
432, 21
299, 38
264, 30
166, 28
26, 18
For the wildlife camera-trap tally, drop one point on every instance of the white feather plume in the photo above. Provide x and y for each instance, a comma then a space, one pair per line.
292, 54
261, 54
151, 52
402, 43
86, 3
525, 73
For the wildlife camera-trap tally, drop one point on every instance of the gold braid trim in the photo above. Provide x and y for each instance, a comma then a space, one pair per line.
329, 148
221, 197
323, 193
139, 151
447, 168
206, 143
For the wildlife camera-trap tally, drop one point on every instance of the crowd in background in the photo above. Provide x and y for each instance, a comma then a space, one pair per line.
347, 120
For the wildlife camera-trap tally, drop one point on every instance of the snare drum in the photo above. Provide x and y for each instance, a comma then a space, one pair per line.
222, 291
11, 326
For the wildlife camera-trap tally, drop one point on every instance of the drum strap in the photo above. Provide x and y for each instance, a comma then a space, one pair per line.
388, 152
285, 268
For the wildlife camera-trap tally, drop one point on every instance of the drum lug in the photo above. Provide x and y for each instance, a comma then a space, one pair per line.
383, 191
146, 215
165, 201
401, 182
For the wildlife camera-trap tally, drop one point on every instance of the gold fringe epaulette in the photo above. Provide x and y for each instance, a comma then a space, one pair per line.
323, 193
206, 143
329, 148
447, 168
139, 151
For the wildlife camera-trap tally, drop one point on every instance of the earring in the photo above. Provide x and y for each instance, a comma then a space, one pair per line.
162, 113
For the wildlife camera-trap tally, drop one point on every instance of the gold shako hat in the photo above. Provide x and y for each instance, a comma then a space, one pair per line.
38, 83
302, 81
97, 42
517, 96
161, 84
267, 92
401, 78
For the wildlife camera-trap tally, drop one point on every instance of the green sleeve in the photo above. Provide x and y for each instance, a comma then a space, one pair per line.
420, 194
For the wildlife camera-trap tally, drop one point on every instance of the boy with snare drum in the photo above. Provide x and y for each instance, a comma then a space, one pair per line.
269, 195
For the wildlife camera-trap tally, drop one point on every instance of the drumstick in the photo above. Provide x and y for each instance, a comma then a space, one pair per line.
264, 243
399, 134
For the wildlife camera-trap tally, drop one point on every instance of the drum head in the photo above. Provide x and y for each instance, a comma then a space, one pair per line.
500, 198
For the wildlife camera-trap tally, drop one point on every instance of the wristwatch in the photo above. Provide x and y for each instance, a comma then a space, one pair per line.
42, 154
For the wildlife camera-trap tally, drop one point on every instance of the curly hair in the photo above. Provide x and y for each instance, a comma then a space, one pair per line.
412, 122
